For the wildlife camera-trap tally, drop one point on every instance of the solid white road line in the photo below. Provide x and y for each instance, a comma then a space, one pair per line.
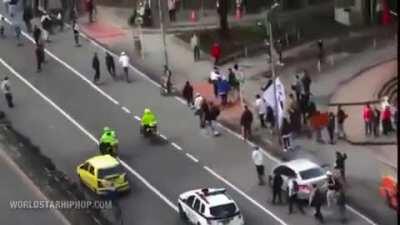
245, 195
32, 186
126, 110
143, 75
91, 137
71, 68
176, 146
192, 157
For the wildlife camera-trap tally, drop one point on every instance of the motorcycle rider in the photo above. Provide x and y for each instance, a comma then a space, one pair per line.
108, 140
148, 120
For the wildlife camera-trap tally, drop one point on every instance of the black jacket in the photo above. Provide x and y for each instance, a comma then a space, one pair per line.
246, 119
109, 60
318, 198
39, 54
96, 63
277, 182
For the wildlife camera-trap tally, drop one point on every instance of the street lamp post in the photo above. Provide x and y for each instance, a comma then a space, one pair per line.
272, 64
160, 12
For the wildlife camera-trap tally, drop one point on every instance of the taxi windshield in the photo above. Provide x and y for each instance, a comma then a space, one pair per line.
223, 211
111, 171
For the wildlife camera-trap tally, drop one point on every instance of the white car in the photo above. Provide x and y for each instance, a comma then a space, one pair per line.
209, 206
304, 172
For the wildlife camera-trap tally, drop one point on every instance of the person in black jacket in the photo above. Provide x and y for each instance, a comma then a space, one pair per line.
277, 187
187, 93
245, 122
286, 131
211, 117
331, 127
96, 67
340, 160
27, 17
110, 65
316, 200
37, 33
39, 52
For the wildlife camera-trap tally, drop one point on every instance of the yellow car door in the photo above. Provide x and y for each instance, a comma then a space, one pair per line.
91, 177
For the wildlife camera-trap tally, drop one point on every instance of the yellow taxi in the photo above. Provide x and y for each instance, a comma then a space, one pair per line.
103, 174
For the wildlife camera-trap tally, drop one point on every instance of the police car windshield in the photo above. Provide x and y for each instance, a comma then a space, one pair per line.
311, 173
112, 171
223, 211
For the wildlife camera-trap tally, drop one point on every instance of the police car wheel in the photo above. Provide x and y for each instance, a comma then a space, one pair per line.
182, 214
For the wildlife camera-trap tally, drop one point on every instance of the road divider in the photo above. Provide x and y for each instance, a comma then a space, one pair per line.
176, 146
192, 157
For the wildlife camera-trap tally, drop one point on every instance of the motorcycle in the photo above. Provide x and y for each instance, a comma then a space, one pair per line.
108, 149
148, 131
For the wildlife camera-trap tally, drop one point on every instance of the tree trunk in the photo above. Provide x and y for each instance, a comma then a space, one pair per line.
223, 16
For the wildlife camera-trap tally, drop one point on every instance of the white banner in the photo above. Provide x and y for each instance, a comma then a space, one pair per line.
269, 96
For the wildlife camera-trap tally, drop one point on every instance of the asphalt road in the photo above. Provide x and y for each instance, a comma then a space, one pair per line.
168, 169
17, 188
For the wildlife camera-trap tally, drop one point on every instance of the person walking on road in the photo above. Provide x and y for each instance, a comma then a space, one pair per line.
205, 113
330, 194
110, 65
293, 189
212, 117
277, 183
298, 88
258, 161
341, 117
245, 122
340, 164
46, 25
376, 121
367, 116
37, 34
331, 127
124, 61
75, 29
306, 80
260, 107
6, 89
172, 10
316, 199
39, 52
18, 33
194, 43
2, 27
187, 94
27, 18
198, 101
286, 134
96, 68
341, 203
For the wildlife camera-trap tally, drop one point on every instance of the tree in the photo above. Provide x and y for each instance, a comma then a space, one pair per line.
222, 9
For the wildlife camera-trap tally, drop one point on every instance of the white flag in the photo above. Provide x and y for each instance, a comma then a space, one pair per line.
280, 99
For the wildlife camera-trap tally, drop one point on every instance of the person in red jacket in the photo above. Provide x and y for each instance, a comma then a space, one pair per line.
367, 115
216, 52
386, 120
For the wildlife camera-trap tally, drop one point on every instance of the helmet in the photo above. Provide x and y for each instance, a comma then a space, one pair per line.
328, 173
106, 129
147, 110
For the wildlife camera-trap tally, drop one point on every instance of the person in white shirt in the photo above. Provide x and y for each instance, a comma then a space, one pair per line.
6, 89
214, 75
261, 109
258, 161
194, 43
124, 61
198, 101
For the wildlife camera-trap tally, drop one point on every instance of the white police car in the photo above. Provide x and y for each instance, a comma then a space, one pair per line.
209, 206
